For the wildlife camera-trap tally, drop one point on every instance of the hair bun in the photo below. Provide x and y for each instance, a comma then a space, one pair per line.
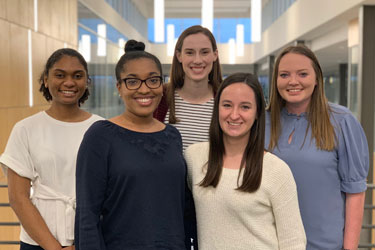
133, 45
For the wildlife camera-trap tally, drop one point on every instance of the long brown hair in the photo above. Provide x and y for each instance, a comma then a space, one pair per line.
177, 73
252, 157
318, 110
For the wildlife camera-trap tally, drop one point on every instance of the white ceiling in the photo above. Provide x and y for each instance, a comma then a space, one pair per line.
192, 8
330, 57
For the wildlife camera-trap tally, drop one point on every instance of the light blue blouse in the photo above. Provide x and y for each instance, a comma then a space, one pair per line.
323, 177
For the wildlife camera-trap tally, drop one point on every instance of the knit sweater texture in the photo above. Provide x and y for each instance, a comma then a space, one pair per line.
228, 219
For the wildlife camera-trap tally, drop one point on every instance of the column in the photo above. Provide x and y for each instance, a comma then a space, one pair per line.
343, 78
366, 78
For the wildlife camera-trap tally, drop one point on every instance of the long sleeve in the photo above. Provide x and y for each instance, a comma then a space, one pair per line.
91, 185
190, 221
290, 231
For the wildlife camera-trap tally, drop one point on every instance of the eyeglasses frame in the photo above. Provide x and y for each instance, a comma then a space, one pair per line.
142, 81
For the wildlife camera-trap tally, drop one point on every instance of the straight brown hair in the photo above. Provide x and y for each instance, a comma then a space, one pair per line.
177, 73
252, 159
318, 111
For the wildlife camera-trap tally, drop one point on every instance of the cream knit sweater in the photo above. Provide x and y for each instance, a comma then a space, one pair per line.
227, 219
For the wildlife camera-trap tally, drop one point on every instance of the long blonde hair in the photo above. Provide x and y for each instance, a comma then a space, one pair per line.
318, 109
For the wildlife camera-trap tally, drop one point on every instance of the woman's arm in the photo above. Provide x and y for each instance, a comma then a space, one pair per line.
27, 213
353, 167
353, 219
91, 186
290, 231
190, 221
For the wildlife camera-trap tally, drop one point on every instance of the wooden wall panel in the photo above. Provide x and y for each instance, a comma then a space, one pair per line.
72, 25
3, 197
10, 247
6, 126
18, 92
65, 16
3, 9
3, 179
58, 19
39, 60
44, 17
21, 12
53, 45
9, 233
7, 214
5, 83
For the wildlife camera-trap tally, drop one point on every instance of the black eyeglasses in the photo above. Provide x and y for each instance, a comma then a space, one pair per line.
153, 82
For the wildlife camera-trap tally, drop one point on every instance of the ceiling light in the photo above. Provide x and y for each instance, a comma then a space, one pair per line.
85, 47
170, 40
232, 51
208, 14
240, 40
121, 46
159, 21
256, 20
102, 44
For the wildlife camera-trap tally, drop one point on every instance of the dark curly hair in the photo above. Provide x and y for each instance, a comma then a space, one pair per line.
54, 58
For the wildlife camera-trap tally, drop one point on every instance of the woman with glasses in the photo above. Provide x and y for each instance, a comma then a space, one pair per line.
131, 174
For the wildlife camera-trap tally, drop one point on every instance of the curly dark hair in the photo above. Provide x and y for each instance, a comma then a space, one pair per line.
54, 58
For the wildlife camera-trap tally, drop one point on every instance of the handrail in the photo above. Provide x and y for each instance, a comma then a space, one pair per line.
10, 223
9, 242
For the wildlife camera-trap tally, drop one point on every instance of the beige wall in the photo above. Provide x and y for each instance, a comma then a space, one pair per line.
56, 27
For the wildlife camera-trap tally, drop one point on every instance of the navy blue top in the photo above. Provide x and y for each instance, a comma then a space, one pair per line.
323, 177
130, 189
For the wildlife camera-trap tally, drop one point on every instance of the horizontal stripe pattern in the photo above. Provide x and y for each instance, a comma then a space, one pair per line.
194, 120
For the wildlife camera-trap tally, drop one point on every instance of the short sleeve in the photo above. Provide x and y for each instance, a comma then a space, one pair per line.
353, 155
17, 153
